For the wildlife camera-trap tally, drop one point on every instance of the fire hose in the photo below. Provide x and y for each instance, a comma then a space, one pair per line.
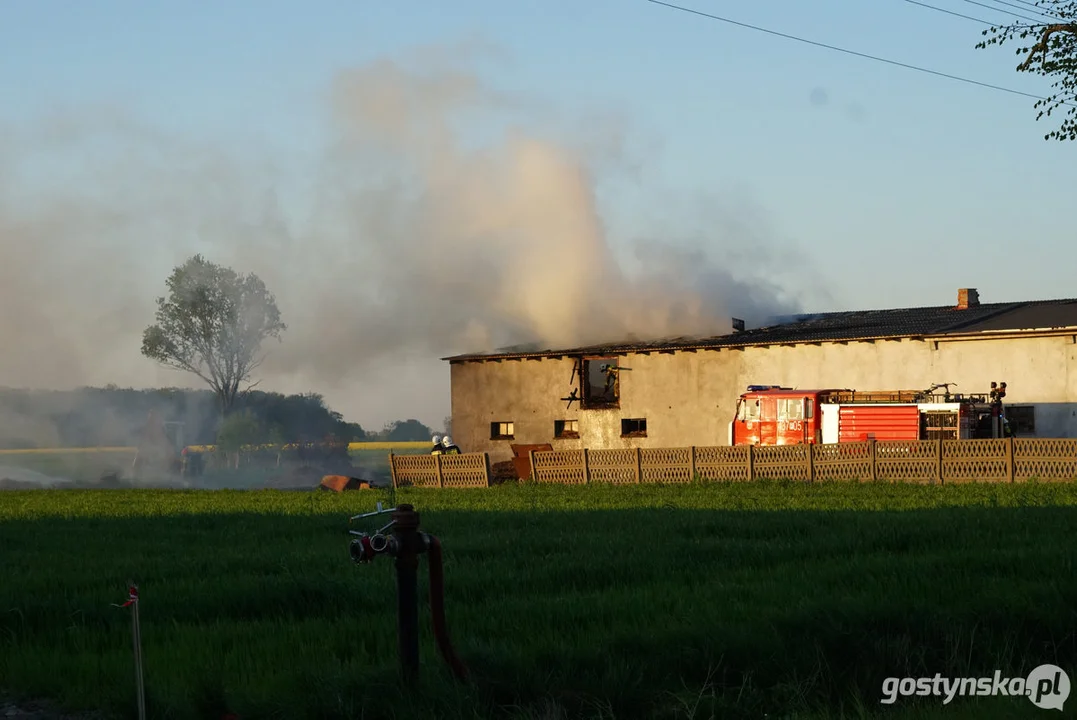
405, 544
437, 609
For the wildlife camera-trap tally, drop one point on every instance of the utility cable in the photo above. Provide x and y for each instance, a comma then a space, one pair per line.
950, 12
1037, 21
855, 53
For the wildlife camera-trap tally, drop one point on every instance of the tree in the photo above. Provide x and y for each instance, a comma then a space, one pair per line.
1053, 54
213, 324
237, 430
406, 431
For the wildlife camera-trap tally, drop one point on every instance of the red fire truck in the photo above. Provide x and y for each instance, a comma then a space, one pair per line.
775, 415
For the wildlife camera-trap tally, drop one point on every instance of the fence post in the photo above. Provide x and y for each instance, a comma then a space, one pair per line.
392, 468
811, 461
486, 467
938, 462
1009, 460
692, 462
586, 467
874, 459
531, 459
441, 478
639, 466
751, 462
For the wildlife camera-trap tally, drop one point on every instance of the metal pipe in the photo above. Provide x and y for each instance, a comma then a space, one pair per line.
408, 546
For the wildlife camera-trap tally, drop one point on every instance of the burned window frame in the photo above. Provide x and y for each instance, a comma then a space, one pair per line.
586, 402
639, 432
495, 430
561, 433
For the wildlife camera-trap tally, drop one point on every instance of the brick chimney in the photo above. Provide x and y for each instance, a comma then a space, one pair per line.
967, 297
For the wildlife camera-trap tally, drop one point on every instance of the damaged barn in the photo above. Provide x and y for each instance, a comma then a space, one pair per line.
684, 391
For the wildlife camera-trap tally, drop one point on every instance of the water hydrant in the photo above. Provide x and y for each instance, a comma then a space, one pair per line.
405, 543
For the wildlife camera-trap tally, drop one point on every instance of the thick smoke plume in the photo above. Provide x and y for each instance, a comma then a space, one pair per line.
430, 221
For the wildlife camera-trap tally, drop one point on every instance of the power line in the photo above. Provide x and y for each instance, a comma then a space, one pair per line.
949, 12
848, 52
960, 15
1032, 5
1035, 7
1038, 21
1035, 10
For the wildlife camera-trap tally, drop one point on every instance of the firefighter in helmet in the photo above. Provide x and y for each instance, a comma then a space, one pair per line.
437, 449
448, 446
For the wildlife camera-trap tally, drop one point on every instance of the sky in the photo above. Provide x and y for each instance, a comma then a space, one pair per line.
415, 179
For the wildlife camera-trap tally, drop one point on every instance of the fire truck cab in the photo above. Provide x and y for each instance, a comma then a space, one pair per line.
775, 415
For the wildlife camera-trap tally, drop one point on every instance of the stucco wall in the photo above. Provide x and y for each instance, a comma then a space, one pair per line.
689, 398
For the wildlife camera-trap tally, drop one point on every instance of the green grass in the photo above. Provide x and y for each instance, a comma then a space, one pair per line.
629, 602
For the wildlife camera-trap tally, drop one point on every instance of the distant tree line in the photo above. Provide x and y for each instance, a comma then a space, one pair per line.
113, 416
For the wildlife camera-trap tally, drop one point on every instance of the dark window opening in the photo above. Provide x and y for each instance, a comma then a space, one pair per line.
566, 429
502, 431
601, 383
634, 427
1022, 418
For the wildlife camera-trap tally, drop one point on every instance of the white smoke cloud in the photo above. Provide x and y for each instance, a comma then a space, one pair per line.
424, 237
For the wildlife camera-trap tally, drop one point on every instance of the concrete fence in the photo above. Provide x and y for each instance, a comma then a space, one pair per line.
440, 471
904, 461
907, 461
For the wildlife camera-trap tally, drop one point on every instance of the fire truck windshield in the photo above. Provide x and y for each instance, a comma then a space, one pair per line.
748, 409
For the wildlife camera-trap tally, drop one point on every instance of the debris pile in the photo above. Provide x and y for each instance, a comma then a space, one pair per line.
502, 472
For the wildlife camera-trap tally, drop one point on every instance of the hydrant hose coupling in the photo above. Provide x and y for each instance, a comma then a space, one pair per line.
405, 544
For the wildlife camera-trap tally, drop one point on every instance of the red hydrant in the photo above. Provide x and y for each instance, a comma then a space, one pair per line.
406, 543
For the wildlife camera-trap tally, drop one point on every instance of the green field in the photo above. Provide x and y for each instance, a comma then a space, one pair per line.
596, 602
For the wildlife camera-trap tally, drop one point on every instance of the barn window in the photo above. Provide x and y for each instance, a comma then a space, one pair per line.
634, 427
1022, 419
502, 431
566, 428
601, 383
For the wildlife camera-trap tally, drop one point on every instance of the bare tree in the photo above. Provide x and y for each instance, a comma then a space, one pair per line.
1052, 55
213, 324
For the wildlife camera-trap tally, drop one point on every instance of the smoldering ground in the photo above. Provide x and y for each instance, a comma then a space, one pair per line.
431, 218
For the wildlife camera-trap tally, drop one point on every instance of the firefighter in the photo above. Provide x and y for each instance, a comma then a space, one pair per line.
448, 447
437, 449
1007, 430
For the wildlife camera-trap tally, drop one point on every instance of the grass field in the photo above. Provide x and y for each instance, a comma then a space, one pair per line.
699, 601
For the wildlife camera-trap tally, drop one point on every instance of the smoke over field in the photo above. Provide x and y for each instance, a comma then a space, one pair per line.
426, 218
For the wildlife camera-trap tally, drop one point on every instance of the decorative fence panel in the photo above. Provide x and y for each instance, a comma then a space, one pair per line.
1044, 459
441, 471
897, 461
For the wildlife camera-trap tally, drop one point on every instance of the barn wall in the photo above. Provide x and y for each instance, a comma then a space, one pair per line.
689, 398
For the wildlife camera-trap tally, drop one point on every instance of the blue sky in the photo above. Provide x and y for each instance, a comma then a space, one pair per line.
939, 184
901, 187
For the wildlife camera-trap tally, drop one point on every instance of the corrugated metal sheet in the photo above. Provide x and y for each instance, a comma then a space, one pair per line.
881, 422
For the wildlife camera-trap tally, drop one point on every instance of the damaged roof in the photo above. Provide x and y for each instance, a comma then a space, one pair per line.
922, 322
